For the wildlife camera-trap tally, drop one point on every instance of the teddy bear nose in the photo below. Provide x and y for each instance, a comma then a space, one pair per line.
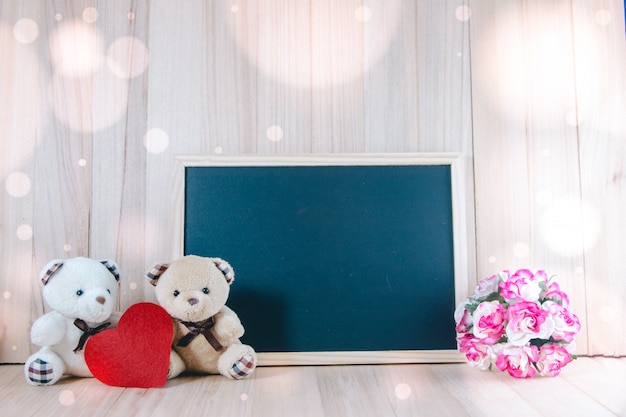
193, 301
101, 300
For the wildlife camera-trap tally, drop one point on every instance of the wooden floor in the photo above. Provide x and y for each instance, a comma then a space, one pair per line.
589, 387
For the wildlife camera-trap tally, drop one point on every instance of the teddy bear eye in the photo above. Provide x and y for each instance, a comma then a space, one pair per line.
79, 292
109, 291
176, 292
205, 290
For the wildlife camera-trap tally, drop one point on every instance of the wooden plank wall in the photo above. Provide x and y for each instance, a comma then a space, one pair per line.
97, 98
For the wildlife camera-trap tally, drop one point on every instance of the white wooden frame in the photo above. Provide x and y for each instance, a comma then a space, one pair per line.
459, 225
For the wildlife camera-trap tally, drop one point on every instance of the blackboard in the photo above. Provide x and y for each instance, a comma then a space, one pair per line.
330, 257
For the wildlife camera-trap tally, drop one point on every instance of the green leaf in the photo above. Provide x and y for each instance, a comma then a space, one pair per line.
543, 286
494, 296
471, 307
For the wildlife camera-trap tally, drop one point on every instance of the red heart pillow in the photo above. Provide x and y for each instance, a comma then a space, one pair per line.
137, 352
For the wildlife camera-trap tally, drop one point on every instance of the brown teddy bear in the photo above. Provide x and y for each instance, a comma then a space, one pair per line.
194, 290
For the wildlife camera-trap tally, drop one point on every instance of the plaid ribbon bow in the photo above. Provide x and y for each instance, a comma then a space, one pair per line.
87, 331
201, 328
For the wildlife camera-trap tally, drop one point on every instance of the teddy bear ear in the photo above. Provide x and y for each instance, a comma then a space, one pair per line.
156, 271
50, 269
112, 267
226, 269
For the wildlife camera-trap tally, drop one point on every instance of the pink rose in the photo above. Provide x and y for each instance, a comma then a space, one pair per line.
478, 355
552, 358
528, 321
566, 324
554, 293
489, 319
523, 285
463, 318
488, 285
518, 360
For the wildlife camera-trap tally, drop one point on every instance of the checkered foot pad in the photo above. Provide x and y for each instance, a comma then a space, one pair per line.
40, 372
243, 367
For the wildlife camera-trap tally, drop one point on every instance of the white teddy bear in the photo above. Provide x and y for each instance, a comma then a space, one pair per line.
82, 293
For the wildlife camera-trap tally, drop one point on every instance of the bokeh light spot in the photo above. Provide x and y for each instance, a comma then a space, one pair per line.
363, 14
463, 13
127, 57
25, 31
275, 133
403, 391
327, 49
24, 232
66, 397
18, 184
156, 140
6, 295
608, 313
530, 62
76, 49
90, 14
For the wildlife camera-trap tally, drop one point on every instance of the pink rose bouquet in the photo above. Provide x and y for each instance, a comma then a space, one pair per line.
520, 322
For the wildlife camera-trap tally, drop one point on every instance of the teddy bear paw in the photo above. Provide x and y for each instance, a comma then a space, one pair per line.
229, 328
177, 366
243, 367
40, 372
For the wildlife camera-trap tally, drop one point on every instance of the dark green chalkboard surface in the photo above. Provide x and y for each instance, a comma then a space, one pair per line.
330, 258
